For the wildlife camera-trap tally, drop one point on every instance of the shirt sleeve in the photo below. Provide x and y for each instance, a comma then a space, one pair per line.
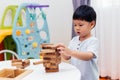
93, 47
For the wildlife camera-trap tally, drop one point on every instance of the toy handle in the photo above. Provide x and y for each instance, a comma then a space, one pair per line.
13, 9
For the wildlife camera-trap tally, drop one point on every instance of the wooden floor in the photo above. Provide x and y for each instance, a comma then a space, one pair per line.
104, 79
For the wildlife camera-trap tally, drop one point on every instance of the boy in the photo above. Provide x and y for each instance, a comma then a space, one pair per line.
83, 48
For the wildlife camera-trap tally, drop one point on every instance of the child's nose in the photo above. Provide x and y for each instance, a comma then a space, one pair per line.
77, 27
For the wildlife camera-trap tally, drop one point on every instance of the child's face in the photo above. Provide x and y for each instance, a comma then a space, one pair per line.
83, 28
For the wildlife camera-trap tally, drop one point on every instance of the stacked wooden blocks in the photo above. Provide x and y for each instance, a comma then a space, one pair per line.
21, 64
51, 58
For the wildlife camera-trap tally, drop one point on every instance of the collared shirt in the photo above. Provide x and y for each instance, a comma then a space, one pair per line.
88, 69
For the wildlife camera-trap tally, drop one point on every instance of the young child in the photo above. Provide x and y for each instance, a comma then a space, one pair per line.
83, 48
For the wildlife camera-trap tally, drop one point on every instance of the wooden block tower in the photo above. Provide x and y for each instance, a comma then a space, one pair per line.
51, 58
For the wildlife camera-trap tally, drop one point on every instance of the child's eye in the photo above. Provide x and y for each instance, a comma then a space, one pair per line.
80, 25
75, 25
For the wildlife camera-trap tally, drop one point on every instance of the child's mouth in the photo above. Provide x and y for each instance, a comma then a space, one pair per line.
78, 32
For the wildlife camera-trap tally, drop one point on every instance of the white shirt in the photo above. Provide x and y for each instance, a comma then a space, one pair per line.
88, 69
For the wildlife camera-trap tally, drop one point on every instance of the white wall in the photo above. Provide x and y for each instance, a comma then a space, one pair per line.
59, 17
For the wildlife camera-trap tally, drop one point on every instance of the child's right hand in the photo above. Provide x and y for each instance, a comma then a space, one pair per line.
63, 50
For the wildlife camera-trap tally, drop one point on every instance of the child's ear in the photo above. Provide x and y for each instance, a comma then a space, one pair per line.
92, 24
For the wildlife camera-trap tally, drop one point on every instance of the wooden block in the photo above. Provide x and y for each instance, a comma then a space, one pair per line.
13, 74
21, 67
59, 60
53, 66
49, 56
53, 61
51, 70
38, 62
47, 46
26, 62
17, 64
47, 51
7, 73
47, 65
16, 60
46, 61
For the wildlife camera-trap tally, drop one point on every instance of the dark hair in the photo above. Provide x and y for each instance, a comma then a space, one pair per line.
85, 12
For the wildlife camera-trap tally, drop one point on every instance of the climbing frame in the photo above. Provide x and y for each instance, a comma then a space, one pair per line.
33, 32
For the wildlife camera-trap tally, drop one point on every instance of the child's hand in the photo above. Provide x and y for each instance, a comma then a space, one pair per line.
63, 49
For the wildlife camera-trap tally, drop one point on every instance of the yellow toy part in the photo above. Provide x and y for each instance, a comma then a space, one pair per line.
27, 31
35, 44
4, 33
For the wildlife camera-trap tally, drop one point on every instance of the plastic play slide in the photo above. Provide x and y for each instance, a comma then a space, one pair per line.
6, 30
6, 27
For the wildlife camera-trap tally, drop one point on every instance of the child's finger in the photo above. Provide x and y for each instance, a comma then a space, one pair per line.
59, 45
